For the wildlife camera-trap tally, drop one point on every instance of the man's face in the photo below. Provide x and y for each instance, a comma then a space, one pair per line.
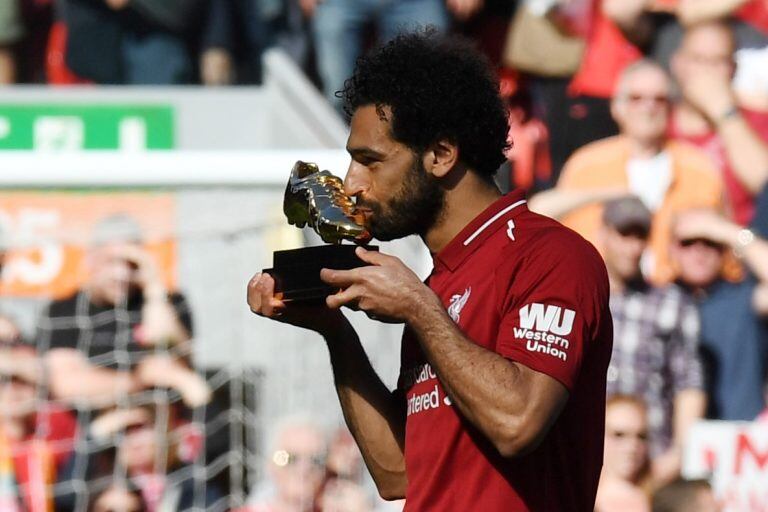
622, 251
699, 262
140, 448
706, 49
641, 104
298, 465
626, 444
110, 272
393, 190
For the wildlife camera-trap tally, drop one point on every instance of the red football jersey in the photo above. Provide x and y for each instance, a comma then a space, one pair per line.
535, 292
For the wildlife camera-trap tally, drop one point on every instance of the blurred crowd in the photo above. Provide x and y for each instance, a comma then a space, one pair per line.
641, 124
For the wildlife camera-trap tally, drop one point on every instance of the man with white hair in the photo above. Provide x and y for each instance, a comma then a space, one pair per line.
296, 453
667, 176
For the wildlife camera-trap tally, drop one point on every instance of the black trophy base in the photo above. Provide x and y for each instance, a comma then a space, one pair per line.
297, 271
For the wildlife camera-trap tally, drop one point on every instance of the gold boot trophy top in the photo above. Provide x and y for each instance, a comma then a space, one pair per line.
316, 198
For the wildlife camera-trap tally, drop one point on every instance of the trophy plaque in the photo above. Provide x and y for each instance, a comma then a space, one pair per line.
316, 198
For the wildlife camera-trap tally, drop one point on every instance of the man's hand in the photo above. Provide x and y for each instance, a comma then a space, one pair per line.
112, 422
706, 224
710, 93
386, 290
315, 317
147, 272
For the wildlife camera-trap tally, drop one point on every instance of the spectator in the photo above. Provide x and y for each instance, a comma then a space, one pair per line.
656, 337
709, 116
342, 491
143, 42
297, 455
36, 438
625, 464
122, 320
685, 496
142, 443
733, 315
546, 42
120, 334
668, 176
340, 29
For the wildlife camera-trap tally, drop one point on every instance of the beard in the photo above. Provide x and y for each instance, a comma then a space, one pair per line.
413, 209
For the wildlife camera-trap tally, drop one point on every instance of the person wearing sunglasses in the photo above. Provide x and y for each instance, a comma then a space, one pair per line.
656, 338
734, 315
626, 462
296, 465
668, 176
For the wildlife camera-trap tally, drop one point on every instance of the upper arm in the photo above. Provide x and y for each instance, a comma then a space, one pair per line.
552, 321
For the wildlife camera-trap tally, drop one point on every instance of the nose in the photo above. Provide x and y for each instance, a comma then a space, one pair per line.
356, 181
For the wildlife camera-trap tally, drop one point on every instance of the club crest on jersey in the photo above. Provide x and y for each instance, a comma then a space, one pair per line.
457, 304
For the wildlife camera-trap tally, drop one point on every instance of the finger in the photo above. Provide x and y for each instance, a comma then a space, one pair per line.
253, 294
343, 297
373, 257
340, 278
267, 289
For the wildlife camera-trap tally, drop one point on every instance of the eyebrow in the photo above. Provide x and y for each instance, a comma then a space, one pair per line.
365, 152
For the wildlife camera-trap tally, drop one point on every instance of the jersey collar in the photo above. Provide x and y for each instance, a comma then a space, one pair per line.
481, 227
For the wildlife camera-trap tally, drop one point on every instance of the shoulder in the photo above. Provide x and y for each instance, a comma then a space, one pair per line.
597, 152
692, 159
65, 306
545, 248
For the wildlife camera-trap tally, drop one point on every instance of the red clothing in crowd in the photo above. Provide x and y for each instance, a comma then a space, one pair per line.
535, 292
739, 200
606, 54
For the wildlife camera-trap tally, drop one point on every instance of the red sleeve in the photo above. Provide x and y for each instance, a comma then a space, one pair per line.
758, 121
554, 305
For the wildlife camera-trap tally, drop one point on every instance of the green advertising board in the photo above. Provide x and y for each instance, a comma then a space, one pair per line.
97, 126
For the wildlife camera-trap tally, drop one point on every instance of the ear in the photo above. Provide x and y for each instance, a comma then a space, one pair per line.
440, 158
616, 109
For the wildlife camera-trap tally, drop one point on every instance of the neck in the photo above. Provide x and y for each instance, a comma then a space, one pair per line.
465, 201
643, 149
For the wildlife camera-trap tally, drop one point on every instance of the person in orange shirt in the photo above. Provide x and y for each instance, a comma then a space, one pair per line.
667, 176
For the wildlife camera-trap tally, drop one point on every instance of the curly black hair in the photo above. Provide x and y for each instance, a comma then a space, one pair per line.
437, 89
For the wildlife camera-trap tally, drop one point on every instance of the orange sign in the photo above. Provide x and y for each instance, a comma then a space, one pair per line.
49, 233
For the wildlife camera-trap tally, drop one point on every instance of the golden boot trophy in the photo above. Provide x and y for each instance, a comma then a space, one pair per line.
316, 198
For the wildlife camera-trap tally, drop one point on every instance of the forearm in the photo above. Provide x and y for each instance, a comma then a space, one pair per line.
94, 387
633, 21
689, 407
372, 413
699, 11
489, 390
747, 153
754, 254
557, 203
